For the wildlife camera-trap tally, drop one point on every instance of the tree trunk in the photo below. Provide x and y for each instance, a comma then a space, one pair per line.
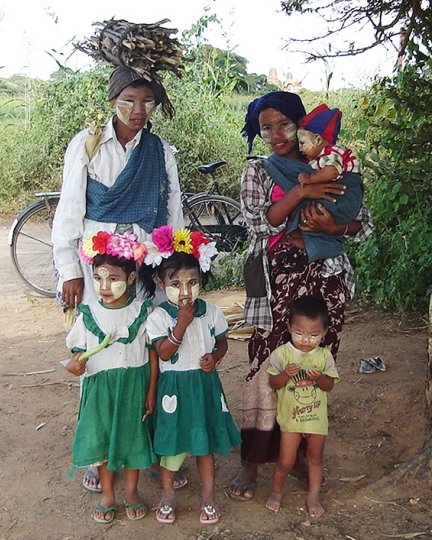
414, 477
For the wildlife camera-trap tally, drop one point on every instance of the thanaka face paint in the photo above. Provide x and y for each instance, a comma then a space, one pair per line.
279, 132
173, 295
310, 144
109, 285
183, 286
287, 131
306, 333
124, 109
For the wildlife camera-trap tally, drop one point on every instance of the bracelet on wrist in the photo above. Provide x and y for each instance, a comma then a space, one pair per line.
345, 230
172, 339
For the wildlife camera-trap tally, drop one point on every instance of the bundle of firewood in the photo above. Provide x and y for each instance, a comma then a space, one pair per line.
145, 48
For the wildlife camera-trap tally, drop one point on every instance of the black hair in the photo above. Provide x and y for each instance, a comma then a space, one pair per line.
169, 267
128, 265
312, 307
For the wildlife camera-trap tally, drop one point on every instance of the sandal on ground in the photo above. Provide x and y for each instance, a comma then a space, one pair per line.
209, 514
165, 513
90, 481
104, 510
242, 489
133, 508
180, 479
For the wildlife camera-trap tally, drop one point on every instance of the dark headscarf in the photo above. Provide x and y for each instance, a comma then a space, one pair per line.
123, 76
287, 103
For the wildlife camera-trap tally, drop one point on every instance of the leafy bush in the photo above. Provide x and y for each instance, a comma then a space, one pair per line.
228, 270
394, 265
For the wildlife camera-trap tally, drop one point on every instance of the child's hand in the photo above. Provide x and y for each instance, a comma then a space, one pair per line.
304, 178
150, 405
313, 374
292, 369
207, 363
186, 314
74, 366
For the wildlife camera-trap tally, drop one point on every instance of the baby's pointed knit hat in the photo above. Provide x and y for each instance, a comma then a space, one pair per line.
323, 121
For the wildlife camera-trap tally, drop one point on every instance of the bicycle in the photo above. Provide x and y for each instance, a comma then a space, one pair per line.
219, 217
30, 243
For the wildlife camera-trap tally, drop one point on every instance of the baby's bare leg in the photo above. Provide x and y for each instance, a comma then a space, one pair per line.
315, 451
287, 457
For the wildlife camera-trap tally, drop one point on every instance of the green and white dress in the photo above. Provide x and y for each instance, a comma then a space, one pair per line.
109, 427
192, 414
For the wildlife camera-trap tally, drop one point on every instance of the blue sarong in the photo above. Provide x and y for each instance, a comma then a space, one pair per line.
284, 172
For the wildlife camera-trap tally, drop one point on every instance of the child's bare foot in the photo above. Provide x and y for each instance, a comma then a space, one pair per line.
273, 503
314, 506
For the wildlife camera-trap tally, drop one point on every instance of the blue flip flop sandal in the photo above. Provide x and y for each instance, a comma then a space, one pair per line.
104, 510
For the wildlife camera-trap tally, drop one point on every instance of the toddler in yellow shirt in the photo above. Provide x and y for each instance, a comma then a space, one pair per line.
302, 373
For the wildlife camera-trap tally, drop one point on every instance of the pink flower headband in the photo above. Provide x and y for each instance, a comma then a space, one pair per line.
117, 245
164, 242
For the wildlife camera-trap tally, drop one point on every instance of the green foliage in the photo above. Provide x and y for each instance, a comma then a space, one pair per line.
67, 104
394, 265
228, 270
47, 115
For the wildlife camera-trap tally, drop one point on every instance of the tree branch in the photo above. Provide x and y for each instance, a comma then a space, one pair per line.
382, 16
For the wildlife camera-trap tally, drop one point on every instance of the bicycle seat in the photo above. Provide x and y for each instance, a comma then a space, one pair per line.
210, 167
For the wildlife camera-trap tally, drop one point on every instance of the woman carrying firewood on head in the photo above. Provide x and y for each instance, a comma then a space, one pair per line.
121, 178
128, 182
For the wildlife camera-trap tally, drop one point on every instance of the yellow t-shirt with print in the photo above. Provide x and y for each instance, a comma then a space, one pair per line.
301, 405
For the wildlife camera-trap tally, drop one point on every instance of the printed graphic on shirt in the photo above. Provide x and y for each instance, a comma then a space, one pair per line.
305, 396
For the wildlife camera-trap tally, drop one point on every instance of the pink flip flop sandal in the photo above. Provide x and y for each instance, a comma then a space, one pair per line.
209, 514
165, 513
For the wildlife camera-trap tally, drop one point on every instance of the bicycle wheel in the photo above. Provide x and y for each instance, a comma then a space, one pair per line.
31, 246
219, 218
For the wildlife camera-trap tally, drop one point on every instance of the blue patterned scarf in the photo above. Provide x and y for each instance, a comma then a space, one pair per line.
139, 194
284, 172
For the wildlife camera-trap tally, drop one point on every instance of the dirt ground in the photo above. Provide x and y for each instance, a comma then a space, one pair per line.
377, 421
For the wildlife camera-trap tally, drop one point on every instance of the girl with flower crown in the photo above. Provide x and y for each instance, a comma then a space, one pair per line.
189, 335
108, 344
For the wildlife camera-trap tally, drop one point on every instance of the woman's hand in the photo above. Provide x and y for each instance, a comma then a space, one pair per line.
315, 217
279, 210
326, 191
75, 366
